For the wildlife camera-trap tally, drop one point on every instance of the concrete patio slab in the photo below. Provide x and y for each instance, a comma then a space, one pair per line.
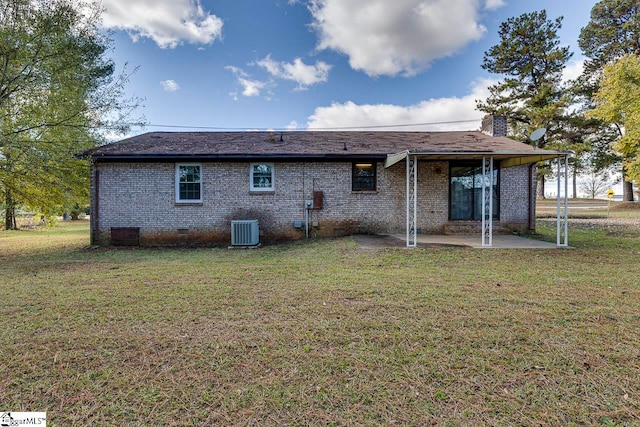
500, 241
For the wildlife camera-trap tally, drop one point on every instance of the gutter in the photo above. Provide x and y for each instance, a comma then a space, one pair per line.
233, 157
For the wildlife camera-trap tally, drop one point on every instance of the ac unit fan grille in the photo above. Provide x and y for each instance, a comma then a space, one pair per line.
245, 233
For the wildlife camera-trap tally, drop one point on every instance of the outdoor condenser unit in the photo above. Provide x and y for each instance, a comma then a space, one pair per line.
245, 232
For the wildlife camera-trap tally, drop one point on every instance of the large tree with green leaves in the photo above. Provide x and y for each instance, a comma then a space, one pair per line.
532, 60
612, 32
58, 93
576, 133
618, 101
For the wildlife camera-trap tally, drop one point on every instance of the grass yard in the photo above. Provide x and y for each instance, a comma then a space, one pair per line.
589, 208
321, 333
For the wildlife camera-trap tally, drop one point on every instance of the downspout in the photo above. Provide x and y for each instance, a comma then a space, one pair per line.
532, 200
95, 215
307, 203
306, 220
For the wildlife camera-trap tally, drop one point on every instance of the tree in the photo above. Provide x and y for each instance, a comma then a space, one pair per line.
574, 133
588, 137
612, 32
596, 180
531, 95
618, 101
58, 93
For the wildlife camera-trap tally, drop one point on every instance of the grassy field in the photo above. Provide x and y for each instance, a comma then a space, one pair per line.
589, 208
321, 333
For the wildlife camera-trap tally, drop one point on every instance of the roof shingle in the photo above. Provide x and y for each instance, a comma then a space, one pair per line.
347, 144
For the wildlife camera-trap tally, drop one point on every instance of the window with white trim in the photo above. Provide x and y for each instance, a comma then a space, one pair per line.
188, 183
261, 177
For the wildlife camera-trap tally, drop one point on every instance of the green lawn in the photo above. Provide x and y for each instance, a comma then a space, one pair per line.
589, 208
321, 333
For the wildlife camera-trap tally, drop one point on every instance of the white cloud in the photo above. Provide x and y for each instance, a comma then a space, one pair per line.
304, 75
573, 70
236, 70
494, 4
293, 125
167, 22
169, 85
390, 37
250, 87
440, 110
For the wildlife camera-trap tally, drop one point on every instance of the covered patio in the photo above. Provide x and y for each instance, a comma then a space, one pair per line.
487, 159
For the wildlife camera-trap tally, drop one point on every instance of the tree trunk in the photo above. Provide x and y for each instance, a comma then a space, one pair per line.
540, 189
574, 183
9, 212
627, 187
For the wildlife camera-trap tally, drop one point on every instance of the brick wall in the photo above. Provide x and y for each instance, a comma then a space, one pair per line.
433, 196
514, 198
495, 125
143, 195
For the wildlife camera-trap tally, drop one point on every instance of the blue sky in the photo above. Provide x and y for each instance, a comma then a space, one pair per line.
316, 64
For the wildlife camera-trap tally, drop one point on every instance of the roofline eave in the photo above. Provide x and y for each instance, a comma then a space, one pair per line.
235, 157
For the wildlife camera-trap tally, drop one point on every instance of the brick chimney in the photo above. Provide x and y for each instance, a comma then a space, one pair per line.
494, 125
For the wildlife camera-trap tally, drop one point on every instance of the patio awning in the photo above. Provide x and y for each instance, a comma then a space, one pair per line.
507, 158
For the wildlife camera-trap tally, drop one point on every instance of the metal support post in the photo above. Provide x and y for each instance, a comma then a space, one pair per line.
487, 201
412, 202
563, 208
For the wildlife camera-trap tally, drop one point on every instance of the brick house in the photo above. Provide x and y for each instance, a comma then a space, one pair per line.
163, 188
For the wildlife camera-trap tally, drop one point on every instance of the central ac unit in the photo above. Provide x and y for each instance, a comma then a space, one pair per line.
245, 232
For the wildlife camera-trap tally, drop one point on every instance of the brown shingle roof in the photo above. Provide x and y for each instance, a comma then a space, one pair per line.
301, 144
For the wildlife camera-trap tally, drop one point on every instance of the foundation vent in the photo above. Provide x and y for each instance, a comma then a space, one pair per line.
125, 236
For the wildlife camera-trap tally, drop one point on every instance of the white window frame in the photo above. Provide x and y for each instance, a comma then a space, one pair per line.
273, 177
177, 183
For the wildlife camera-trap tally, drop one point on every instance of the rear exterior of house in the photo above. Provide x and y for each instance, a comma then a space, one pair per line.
189, 188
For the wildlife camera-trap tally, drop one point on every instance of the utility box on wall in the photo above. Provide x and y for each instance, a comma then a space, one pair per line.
318, 196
